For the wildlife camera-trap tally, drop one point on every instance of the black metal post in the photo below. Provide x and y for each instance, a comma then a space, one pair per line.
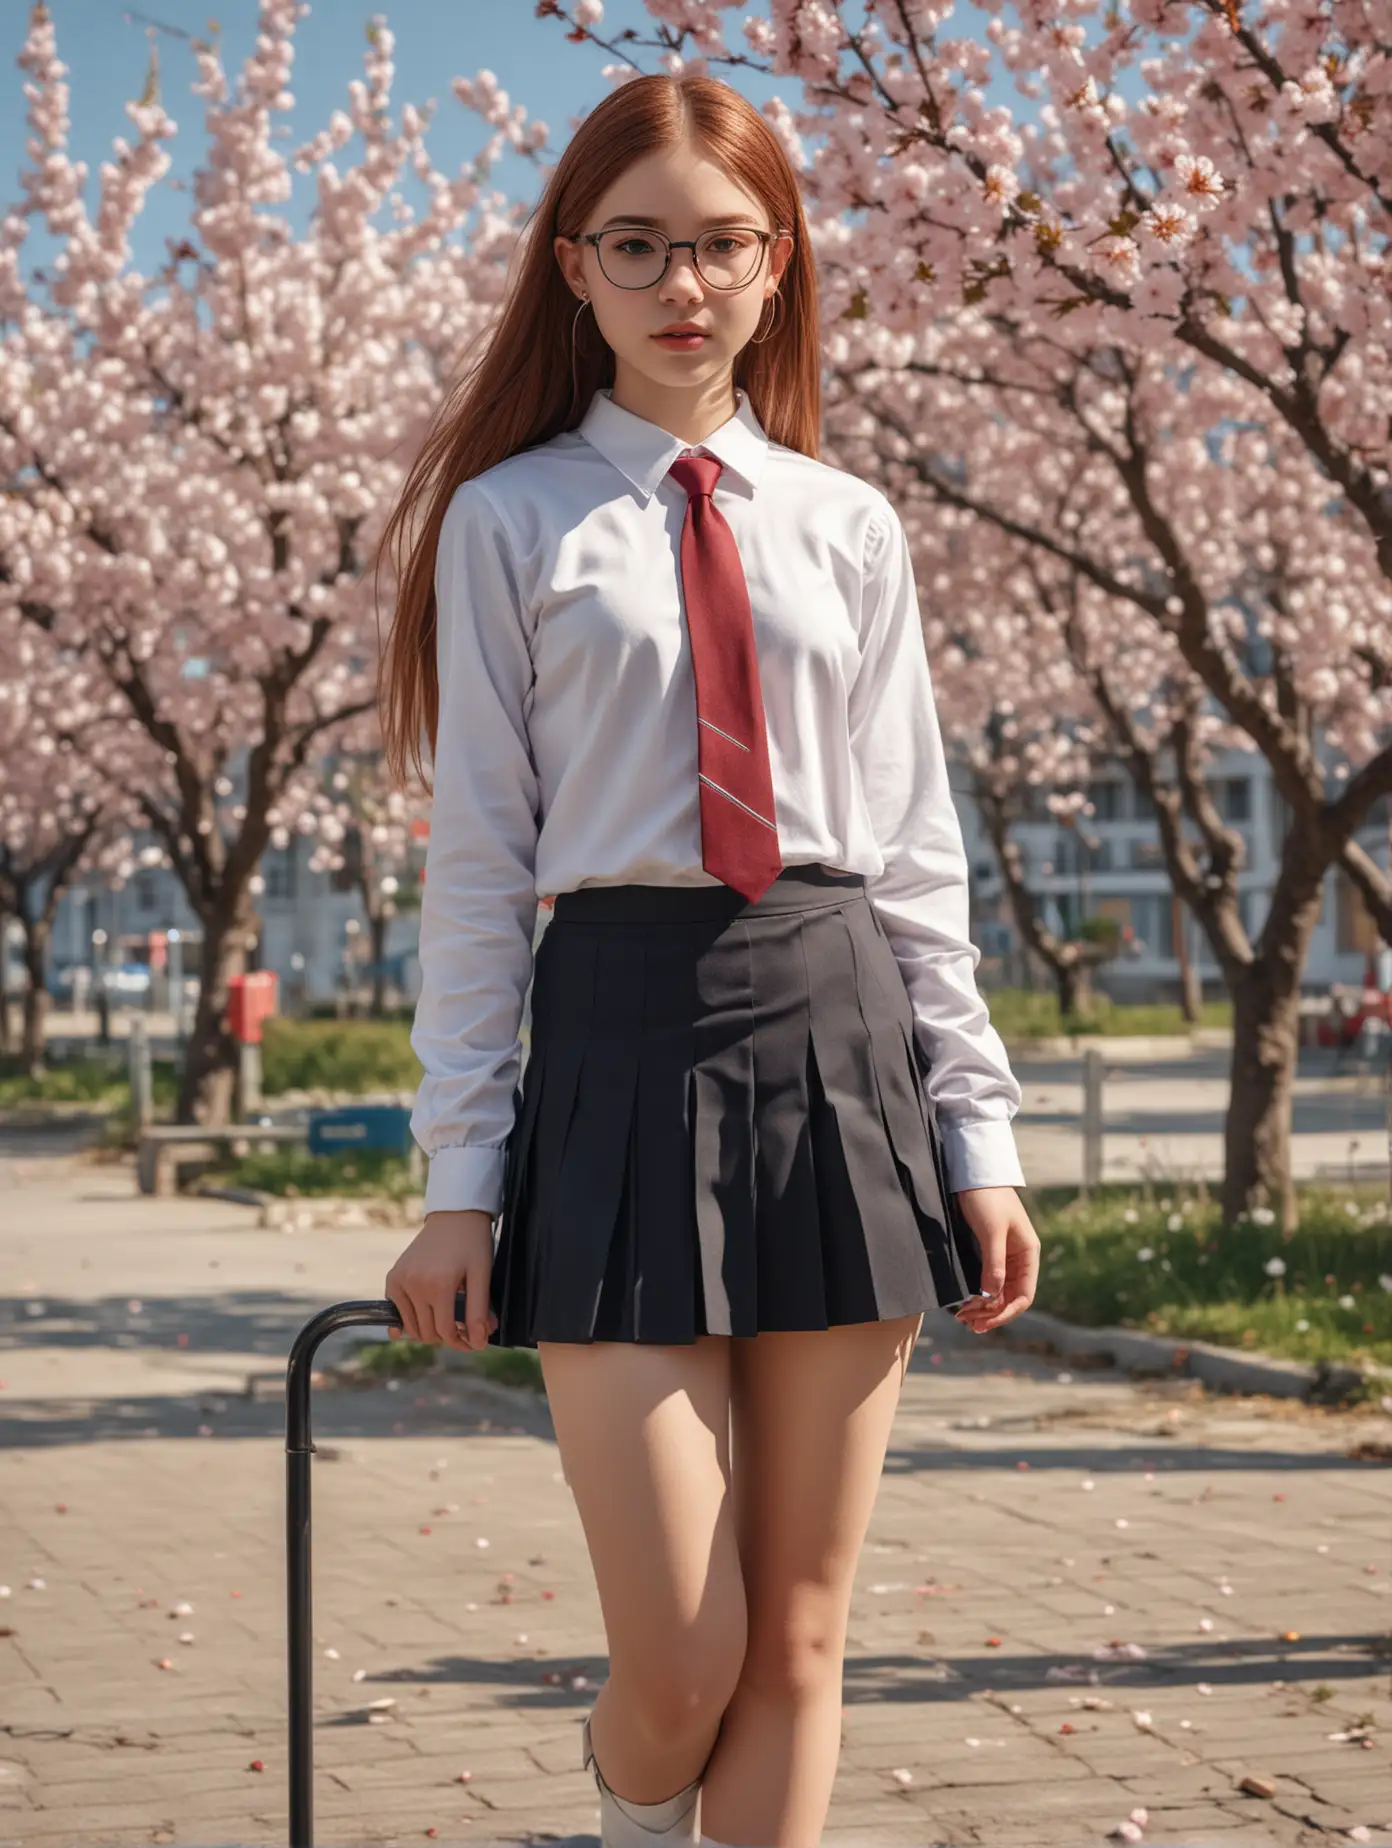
299, 1447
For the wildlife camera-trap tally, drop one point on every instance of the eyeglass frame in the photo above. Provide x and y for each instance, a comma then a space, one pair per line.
681, 243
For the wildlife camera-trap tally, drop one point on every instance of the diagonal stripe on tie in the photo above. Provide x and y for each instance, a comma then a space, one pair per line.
739, 830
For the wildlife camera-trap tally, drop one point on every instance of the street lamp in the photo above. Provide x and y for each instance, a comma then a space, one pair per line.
99, 974
351, 928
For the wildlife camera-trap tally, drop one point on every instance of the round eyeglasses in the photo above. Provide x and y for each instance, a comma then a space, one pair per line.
636, 256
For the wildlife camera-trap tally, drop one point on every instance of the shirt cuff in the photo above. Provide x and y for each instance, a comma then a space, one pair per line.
465, 1178
980, 1153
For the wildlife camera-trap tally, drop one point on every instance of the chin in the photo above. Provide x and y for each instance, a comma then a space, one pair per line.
685, 369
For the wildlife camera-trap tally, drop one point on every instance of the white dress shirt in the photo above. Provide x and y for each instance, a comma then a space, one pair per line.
566, 753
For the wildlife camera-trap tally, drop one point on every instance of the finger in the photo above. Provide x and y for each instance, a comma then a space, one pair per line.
449, 1321
1006, 1314
406, 1309
477, 1309
430, 1323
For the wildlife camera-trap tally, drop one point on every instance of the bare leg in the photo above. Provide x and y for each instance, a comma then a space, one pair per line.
643, 1432
812, 1417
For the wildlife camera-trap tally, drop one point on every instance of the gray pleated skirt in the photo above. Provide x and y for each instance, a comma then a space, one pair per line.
721, 1126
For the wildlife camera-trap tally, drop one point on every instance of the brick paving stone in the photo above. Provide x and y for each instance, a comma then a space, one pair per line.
99, 1745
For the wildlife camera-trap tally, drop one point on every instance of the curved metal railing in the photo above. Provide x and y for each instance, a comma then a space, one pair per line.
299, 1448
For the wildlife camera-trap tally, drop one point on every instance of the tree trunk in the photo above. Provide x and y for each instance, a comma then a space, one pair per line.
36, 939
1266, 1049
1190, 981
5, 1039
377, 924
208, 1083
1074, 980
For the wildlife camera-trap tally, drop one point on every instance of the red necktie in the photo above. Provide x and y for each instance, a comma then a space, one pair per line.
739, 832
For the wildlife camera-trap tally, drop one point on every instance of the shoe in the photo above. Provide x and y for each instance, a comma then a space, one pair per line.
625, 1824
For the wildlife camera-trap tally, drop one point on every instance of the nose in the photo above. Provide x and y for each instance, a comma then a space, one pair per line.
682, 283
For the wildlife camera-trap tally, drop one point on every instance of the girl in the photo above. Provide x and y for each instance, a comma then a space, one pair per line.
672, 675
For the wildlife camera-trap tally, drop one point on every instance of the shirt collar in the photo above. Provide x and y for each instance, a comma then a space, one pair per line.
643, 452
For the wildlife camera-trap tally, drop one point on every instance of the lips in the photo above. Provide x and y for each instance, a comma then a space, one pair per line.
682, 335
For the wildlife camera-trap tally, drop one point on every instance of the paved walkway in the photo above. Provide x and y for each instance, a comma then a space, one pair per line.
1165, 1118
1080, 1596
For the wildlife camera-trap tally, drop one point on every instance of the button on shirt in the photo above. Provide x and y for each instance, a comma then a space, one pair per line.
566, 753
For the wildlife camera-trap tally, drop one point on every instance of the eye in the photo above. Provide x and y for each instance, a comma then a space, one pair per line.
632, 245
723, 242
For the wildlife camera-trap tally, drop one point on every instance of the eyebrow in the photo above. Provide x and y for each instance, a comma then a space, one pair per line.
657, 224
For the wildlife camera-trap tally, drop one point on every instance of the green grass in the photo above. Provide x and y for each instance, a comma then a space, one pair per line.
337, 1055
1023, 1014
1202, 1283
104, 1083
291, 1173
403, 1359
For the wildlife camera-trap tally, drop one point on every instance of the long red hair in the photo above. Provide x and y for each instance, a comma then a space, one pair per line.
520, 389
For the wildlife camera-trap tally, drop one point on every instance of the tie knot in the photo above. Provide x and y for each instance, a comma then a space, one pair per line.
695, 475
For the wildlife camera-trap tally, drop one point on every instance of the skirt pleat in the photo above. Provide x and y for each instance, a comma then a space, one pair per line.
722, 1125
949, 1245
581, 1256
723, 1135
656, 1212
899, 1276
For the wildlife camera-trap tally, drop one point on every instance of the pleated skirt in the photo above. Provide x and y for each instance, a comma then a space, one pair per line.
721, 1126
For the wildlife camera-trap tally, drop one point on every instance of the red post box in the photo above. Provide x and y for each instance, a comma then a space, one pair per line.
250, 999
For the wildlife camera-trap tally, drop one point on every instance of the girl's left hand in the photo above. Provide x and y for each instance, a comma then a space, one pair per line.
1009, 1256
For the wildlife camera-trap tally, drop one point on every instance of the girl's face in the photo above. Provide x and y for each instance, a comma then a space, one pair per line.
681, 332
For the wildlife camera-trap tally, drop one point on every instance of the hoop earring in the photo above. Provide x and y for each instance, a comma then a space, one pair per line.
574, 361
759, 339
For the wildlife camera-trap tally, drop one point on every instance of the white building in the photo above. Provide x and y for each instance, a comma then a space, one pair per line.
311, 921
1123, 876
313, 929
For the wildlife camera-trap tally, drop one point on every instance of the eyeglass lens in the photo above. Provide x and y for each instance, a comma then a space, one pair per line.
635, 259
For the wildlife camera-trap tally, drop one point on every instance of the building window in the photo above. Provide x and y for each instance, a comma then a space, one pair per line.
1108, 800
1233, 795
1123, 910
1154, 914
146, 892
346, 878
278, 868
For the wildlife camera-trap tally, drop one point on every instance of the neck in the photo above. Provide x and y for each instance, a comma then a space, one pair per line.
691, 414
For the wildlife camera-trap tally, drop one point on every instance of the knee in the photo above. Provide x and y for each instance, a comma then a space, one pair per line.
682, 1689
796, 1652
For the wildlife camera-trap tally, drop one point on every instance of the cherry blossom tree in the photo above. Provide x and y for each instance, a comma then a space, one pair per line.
59, 818
1152, 309
1190, 172
1016, 719
1179, 572
369, 829
194, 464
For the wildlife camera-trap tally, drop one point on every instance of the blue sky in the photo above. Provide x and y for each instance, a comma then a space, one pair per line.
436, 40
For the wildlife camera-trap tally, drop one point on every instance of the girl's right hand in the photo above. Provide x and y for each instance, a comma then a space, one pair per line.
453, 1251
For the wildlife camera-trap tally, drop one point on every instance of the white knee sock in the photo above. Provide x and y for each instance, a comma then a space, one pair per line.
658, 1818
